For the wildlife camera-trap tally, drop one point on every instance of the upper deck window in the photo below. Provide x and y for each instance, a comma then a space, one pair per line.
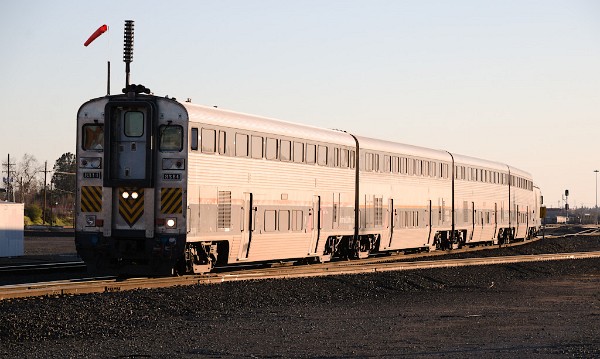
134, 124
298, 152
271, 150
93, 137
171, 138
241, 145
285, 151
257, 146
322, 155
311, 153
208, 140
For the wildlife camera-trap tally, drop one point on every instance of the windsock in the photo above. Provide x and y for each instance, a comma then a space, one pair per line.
101, 30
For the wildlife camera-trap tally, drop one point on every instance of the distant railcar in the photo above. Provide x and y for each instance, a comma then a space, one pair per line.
167, 187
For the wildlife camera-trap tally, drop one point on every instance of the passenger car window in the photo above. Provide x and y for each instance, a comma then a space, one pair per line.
257, 147
222, 142
208, 140
93, 137
241, 145
322, 155
284, 221
194, 139
270, 221
271, 153
286, 150
311, 153
345, 158
298, 152
171, 138
297, 220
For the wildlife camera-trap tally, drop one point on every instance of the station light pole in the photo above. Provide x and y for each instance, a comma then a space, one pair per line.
596, 210
567, 206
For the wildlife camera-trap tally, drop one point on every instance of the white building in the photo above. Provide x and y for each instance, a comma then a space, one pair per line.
11, 229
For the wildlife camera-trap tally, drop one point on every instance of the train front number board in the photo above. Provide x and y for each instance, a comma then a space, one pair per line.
92, 175
172, 176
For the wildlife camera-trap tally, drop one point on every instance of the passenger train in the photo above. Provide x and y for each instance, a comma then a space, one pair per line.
166, 187
169, 187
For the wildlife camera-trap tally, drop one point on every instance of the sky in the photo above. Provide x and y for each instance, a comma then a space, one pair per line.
516, 82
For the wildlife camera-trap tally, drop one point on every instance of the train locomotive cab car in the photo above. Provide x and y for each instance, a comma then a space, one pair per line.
131, 155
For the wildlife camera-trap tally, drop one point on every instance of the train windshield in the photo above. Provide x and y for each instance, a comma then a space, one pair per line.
93, 137
171, 138
134, 124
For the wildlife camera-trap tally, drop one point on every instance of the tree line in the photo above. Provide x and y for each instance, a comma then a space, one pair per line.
47, 193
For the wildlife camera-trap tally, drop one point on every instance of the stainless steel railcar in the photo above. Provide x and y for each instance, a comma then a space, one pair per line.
165, 186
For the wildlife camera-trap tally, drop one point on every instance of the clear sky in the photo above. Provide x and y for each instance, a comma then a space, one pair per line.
511, 81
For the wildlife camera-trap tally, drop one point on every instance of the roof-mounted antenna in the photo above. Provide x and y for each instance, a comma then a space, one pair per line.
128, 58
128, 49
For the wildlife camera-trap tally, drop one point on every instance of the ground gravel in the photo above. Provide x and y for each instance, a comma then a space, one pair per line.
542, 309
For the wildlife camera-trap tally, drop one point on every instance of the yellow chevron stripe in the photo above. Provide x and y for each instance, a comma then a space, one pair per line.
91, 199
171, 200
131, 209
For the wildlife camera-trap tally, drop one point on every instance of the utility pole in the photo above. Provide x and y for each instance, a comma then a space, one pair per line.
8, 179
45, 185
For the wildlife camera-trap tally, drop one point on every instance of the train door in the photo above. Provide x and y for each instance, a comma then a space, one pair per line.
472, 221
128, 167
495, 220
518, 222
391, 222
527, 223
314, 224
247, 225
129, 143
429, 220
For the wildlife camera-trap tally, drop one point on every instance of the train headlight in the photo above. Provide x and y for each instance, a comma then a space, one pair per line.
171, 222
134, 195
90, 221
125, 195
173, 164
90, 162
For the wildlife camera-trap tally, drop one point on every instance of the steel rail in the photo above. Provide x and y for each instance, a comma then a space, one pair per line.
42, 267
116, 285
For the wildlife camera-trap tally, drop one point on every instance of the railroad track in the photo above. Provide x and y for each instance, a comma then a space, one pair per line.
72, 266
111, 284
555, 232
47, 267
79, 266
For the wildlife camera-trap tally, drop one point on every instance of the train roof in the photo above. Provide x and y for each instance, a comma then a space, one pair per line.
518, 172
462, 160
498, 166
220, 117
367, 143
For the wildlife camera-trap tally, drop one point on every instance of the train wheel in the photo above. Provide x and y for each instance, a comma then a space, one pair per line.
201, 257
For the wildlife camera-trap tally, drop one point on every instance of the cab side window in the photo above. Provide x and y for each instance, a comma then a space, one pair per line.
171, 138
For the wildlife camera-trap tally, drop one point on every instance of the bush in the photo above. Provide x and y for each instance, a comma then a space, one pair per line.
34, 212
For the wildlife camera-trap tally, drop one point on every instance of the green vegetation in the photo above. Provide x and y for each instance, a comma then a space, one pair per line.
48, 193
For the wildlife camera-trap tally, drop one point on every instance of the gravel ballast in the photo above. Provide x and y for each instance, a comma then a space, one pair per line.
541, 309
